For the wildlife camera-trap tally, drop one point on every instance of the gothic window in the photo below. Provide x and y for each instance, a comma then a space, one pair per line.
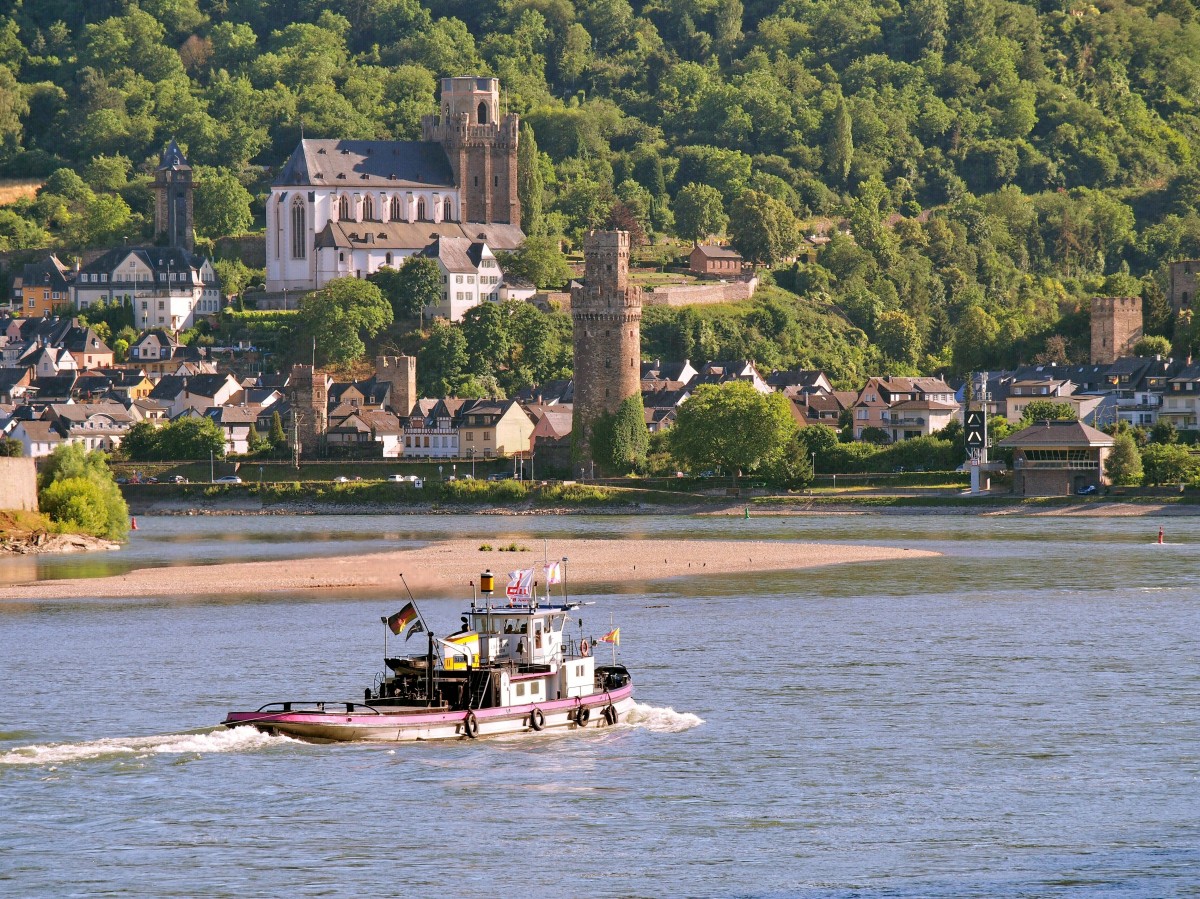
483, 114
387, 260
446, 211
368, 209
344, 208
396, 214
299, 230
422, 213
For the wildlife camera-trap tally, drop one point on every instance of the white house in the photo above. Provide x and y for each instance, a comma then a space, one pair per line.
166, 286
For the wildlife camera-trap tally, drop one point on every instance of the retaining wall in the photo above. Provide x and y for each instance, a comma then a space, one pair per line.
18, 484
701, 294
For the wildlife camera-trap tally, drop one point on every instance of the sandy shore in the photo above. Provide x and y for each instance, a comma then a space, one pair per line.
448, 567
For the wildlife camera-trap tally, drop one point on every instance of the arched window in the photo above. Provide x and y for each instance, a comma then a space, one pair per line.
387, 260
422, 214
396, 214
482, 114
344, 208
299, 230
368, 209
447, 211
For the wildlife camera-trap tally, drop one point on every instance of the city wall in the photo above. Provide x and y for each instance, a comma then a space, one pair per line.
18, 484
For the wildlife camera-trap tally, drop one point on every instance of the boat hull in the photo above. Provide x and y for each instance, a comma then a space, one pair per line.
387, 726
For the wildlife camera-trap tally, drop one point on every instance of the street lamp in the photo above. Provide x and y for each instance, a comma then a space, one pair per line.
471, 453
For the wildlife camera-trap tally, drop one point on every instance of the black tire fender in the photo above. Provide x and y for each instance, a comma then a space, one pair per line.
582, 715
471, 725
536, 719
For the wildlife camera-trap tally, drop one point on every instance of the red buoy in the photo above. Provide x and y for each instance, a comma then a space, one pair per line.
133, 527
1160, 534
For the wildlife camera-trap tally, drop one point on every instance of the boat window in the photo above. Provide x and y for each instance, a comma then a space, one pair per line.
535, 687
508, 625
520, 689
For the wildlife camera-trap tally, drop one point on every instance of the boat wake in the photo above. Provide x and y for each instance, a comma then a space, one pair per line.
238, 739
661, 720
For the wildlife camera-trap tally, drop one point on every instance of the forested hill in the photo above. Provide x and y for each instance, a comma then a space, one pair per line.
997, 162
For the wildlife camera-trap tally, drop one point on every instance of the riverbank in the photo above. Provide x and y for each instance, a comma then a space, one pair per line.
448, 567
29, 533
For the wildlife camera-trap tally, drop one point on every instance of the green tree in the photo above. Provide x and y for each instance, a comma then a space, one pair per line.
222, 204
10, 447
538, 261
896, 333
339, 314
1164, 432
839, 145
442, 361
416, 285
1047, 410
1153, 345
792, 467
1124, 464
77, 489
818, 439
278, 436
763, 229
699, 212
731, 426
630, 439
1168, 464
235, 276
529, 182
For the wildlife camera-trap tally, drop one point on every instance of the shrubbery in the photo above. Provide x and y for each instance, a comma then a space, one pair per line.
77, 490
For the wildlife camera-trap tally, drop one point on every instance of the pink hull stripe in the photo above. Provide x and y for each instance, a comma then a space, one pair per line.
418, 719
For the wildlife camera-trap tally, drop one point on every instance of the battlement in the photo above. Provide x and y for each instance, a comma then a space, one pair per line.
1116, 327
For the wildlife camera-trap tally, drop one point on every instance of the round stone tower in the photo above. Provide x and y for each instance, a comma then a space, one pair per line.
607, 332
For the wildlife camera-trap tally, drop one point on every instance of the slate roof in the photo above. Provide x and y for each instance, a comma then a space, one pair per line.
1057, 434
415, 235
457, 254
367, 163
712, 251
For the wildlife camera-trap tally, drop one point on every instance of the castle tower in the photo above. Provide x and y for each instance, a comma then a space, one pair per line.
308, 393
607, 331
482, 147
1116, 327
401, 373
173, 200
1181, 283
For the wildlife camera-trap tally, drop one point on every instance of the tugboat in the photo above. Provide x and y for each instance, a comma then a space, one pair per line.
511, 668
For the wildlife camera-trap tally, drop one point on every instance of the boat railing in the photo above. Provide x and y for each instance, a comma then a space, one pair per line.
323, 706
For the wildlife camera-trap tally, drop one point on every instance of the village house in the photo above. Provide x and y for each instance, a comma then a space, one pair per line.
1057, 458
43, 288
921, 406
99, 426
1181, 403
715, 262
488, 428
431, 430
198, 393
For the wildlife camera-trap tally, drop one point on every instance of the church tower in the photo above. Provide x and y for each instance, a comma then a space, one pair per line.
481, 145
173, 200
607, 331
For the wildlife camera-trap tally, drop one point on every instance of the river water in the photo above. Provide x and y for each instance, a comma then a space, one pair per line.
1020, 718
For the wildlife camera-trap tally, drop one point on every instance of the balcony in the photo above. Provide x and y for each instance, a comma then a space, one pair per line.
1057, 465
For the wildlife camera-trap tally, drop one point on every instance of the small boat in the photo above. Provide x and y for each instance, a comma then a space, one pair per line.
511, 668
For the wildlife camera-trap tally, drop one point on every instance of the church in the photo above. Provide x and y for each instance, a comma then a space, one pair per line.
345, 208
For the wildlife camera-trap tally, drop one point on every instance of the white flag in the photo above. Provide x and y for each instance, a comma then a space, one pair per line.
520, 584
554, 573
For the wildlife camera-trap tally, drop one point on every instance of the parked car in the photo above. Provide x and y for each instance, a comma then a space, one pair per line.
1086, 491
407, 479
179, 479
342, 479
499, 476
228, 479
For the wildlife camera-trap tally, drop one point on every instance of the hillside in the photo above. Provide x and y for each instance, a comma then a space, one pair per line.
996, 162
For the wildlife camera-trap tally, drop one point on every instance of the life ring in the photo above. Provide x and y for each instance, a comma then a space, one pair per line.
610, 714
582, 715
583, 647
471, 725
536, 719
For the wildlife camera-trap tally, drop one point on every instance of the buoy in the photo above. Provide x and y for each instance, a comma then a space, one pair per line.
133, 527
1160, 534
747, 512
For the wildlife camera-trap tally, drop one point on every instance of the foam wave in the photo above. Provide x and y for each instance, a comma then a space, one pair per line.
238, 739
661, 720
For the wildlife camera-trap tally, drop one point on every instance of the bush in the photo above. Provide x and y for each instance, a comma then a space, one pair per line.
78, 491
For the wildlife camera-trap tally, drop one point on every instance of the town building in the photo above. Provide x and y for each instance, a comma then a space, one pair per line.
715, 262
43, 288
345, 208
1057, 458
167, 287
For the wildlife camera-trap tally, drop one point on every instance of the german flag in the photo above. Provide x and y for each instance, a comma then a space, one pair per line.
402, 619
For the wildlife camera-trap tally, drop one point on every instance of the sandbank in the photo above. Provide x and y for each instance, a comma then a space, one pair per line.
448, 567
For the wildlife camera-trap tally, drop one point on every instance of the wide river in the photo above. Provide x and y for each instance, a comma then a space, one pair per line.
1020, 718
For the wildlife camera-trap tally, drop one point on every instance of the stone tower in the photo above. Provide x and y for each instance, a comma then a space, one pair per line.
308, 393
401, 373
173, 200
1181, 283
607, 331
481, 145
1116, 327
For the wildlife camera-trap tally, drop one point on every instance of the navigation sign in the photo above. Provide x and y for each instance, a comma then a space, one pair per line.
974, 425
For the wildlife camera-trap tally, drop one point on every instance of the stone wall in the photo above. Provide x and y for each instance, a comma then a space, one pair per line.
701, 294
18, 484
1116, 327
250, 248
